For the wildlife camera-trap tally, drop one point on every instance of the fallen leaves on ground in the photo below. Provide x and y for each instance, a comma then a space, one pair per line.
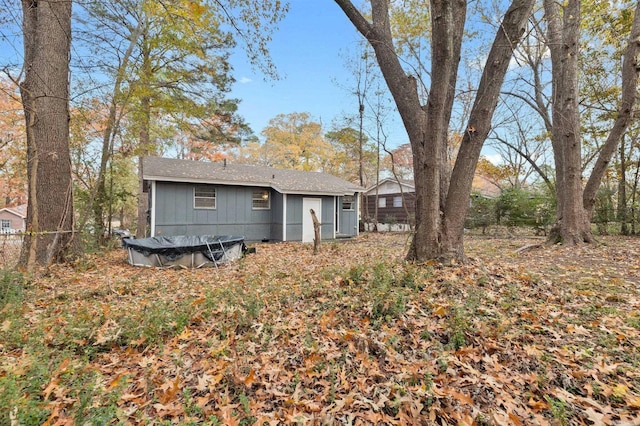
353, 335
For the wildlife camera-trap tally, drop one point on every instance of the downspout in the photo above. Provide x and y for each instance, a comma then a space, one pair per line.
336, 214
357, 213
284, 217
152, 210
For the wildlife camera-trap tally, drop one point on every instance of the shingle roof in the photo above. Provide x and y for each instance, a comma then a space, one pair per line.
404, 182
283, 181
20, 210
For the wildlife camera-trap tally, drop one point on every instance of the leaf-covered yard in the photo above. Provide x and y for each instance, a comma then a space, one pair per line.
352, 335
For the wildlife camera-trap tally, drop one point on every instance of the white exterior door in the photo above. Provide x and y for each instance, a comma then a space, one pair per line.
307, 223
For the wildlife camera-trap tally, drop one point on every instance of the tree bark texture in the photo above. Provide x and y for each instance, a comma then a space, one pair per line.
573, 225
622, 190
440, 204
425, 126
554, 38
45, 97
507, 38
630, 73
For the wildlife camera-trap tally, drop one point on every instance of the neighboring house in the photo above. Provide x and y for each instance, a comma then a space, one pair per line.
484, 187
260, 203
13, 219
395, 202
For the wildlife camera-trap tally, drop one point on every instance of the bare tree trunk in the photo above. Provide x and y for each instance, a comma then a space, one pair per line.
573, 225
507, 38
622, 190
361, 96
397, 178
144, 147
436, 236
554, 38
634, 194
447, 22
109, 133
45, 96
316, 231
143, 201
378, 139
630, 73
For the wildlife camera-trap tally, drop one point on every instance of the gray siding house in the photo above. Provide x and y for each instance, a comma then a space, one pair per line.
260, 203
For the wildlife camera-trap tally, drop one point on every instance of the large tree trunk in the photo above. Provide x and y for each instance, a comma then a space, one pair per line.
630, 73
441, 205
634, 194
429, 142
507, 38
573, 226
45, 97
426, 127
554, 37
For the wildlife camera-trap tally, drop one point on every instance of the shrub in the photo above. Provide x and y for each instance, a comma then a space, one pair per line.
481, 213
519, 207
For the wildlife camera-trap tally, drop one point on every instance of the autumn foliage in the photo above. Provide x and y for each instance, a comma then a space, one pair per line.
13, 180
352, 335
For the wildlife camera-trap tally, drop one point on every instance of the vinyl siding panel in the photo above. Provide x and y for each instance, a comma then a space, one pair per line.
277, 210
233, 215
175, 214
328, 218
294, 217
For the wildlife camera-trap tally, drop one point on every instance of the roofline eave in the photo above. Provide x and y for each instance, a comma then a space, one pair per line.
392, 180
255, 184
7, 209
207, 181
330, 194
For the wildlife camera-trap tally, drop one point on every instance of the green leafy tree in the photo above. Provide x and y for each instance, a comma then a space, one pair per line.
521, 207
171, 75
174, 68
86, 131
482, 212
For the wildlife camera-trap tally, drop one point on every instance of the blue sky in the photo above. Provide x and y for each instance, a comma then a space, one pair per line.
310, 50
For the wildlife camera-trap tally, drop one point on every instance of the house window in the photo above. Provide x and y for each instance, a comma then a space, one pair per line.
260, 200
382, 202
348, 202
397, 201
204, 197
5, 227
